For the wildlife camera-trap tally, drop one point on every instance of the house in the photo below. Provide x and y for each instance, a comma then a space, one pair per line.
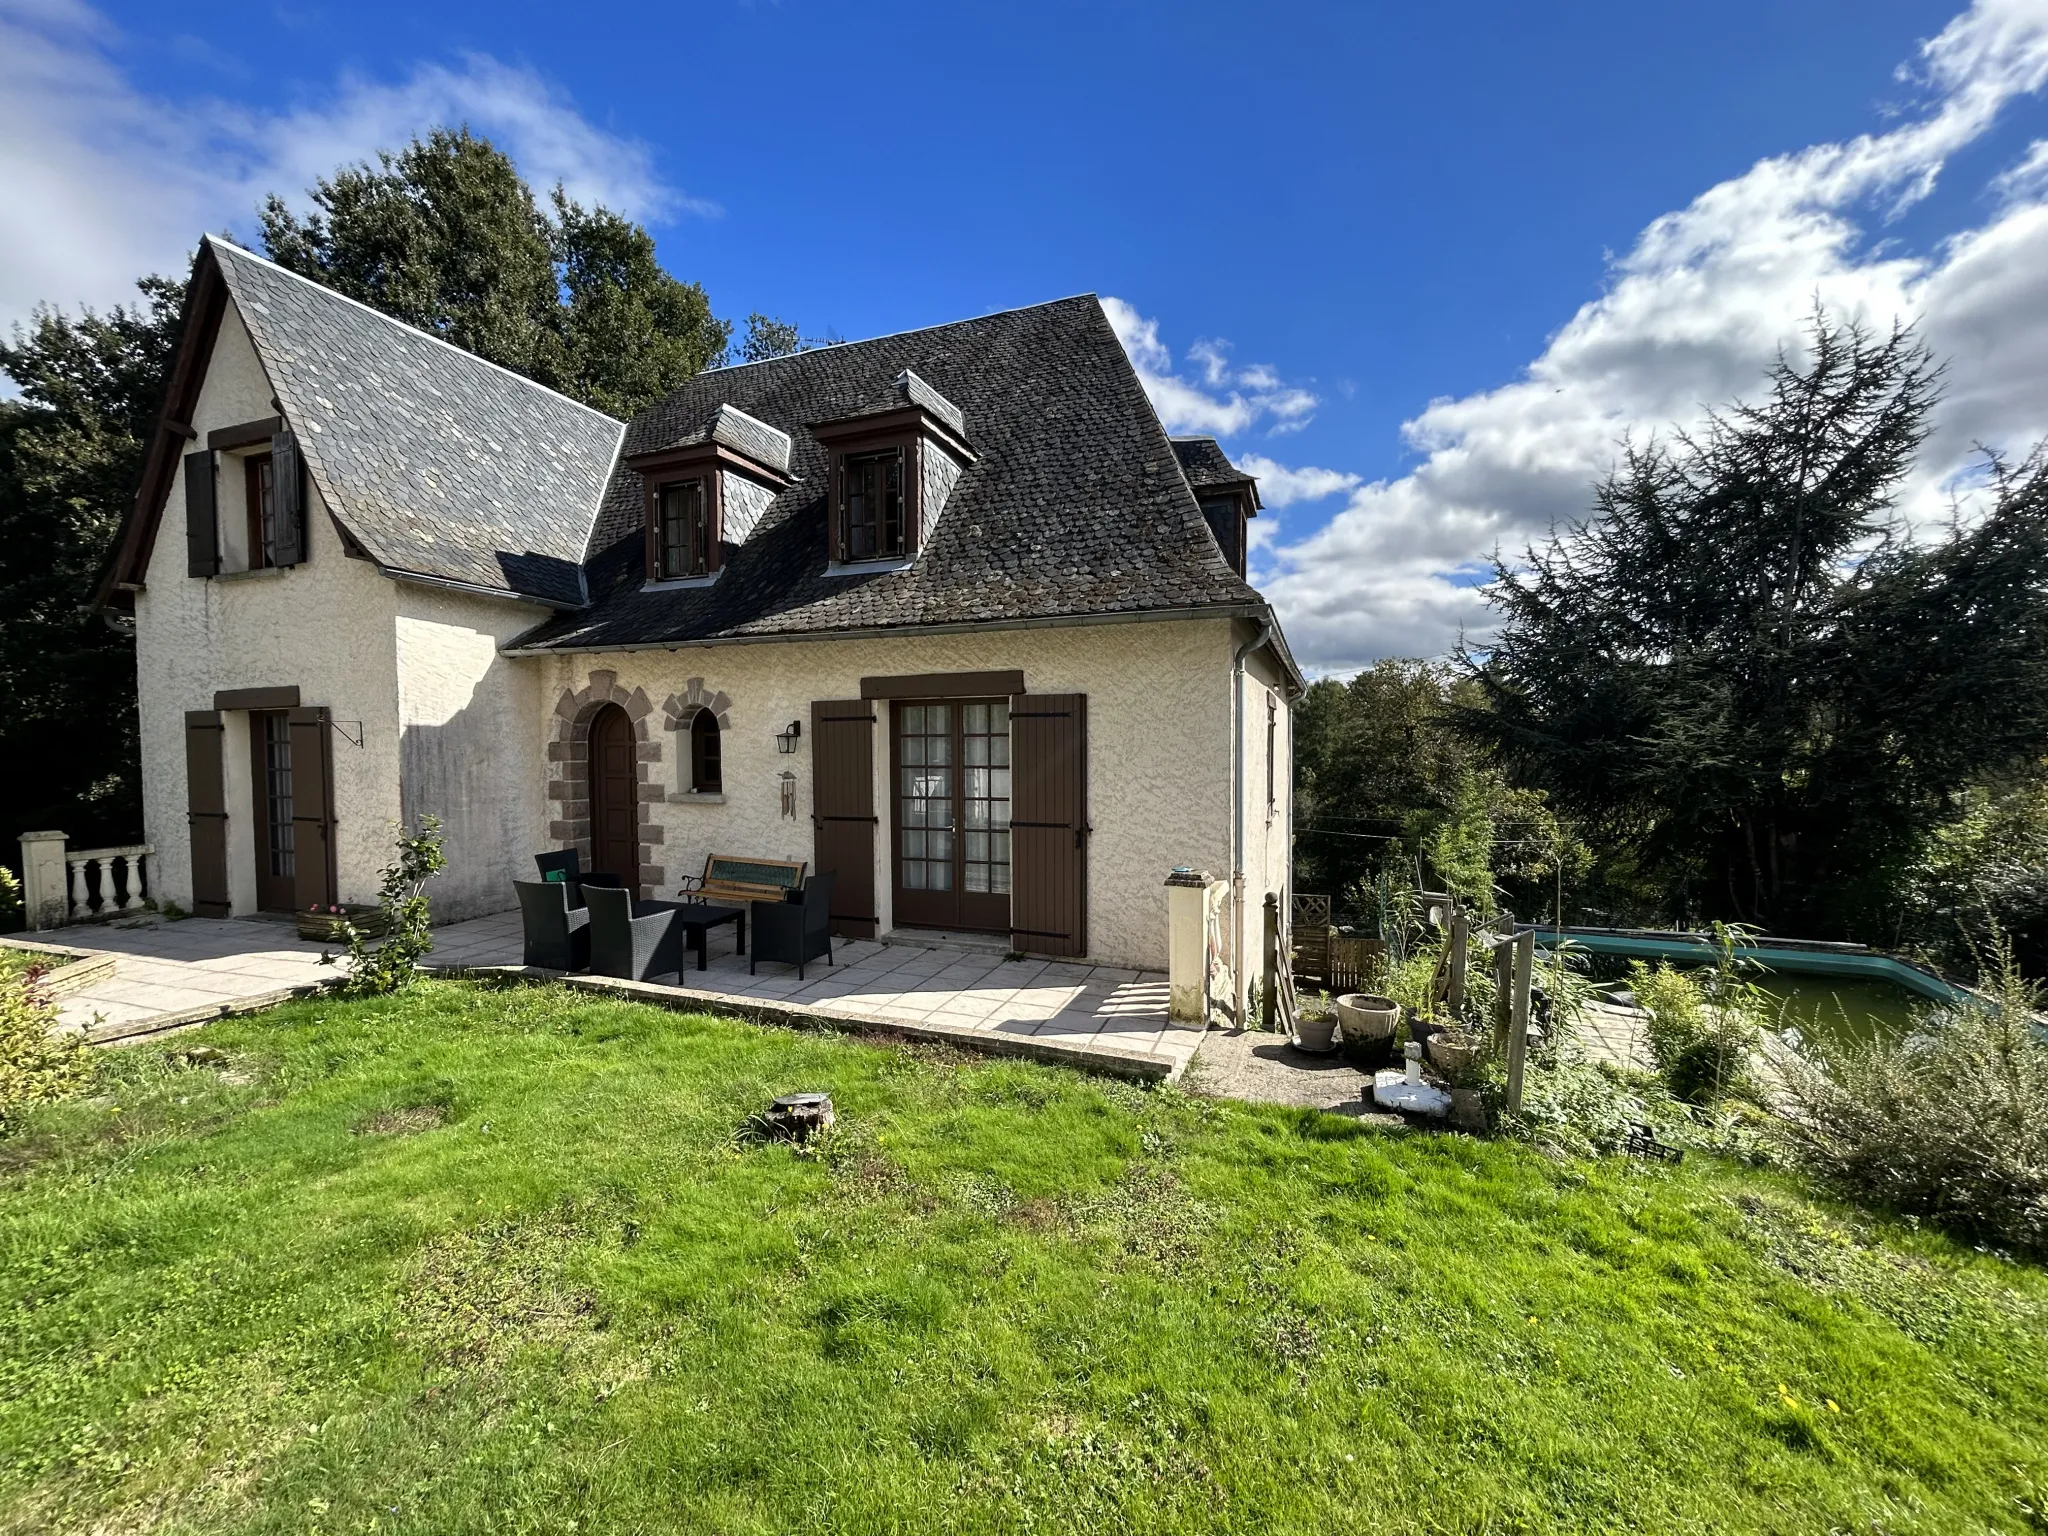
946, 612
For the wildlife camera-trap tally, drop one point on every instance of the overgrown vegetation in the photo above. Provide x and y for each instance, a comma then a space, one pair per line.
1386, 781
1704, 1024
329, 1269
406, 927
1949, 1123
37, 1066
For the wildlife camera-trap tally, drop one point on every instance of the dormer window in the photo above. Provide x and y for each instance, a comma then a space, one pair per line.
685, 536
1226, 517
871, 504
892, 471
706, 493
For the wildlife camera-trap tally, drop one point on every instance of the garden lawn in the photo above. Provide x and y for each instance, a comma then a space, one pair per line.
481, 1260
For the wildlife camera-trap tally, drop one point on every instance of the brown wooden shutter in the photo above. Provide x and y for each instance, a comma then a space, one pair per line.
843, 808
206, 809
202, 533
313, 874
1049, 823
287, 478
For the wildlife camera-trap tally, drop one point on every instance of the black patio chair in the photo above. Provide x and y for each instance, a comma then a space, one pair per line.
565, 867
557, 937
795, 929
633, 940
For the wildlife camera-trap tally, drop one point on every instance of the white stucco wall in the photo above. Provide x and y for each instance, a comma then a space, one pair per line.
467, 717
1267, 848
1159, 734
327, 625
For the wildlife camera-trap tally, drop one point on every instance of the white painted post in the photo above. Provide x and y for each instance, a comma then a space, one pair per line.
45, 880
1187, 958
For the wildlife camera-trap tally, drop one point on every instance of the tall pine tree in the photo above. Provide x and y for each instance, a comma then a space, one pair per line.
1739, 673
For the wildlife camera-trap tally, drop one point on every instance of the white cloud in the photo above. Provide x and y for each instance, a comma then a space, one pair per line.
100, 183
1691, 316
1280, 486
1223, 401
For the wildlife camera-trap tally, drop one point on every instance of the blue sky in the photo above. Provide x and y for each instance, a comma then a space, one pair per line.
1318, 220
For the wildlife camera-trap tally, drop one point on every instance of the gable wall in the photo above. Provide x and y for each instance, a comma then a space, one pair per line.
327, 625
466, 718
1159, 734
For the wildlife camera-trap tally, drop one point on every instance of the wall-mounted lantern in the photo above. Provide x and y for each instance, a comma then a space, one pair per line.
786, 740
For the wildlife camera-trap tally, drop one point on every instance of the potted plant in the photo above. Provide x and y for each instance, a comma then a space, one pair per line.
322, 924
1315, 1024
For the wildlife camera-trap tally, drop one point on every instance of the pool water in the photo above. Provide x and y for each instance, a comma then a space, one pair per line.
1842, 1010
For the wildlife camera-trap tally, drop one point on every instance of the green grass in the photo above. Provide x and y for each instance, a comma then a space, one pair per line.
476, 1260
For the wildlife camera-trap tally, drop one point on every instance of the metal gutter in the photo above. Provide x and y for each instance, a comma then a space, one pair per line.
1259, 611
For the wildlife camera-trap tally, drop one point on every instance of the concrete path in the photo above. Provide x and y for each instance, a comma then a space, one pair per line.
171, 975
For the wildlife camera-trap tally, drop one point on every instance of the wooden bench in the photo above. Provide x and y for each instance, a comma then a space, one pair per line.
734, 881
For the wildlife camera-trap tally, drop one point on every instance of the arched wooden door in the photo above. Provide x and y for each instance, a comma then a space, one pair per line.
614, 797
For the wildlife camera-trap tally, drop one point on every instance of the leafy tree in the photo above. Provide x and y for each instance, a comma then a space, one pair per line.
445, 235
1741, 673
71, 451
768, 337
1384, 774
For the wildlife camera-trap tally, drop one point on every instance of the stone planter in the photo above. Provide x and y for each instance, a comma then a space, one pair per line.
1369, 1023
1452, 1051
1367, 1017
324, 927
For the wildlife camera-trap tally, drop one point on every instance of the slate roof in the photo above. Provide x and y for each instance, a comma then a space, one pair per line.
1204, 462
1076, 506
436, 461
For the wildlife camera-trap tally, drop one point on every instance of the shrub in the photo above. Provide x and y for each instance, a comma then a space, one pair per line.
1949, 1123
1702, 1029
11, 919
401, 898
36, 1065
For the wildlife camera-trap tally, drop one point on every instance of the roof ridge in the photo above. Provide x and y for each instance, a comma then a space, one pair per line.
244, 252
915, 330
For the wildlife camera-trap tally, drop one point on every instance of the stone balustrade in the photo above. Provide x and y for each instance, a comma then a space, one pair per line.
63, 885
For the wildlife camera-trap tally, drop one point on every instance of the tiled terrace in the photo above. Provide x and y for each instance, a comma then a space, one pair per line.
169, 975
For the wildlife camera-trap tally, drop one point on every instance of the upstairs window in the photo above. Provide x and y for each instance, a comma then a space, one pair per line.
260, 476
707, 775
683, 535
871, 505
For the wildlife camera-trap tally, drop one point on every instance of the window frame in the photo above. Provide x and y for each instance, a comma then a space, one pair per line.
909, 513
259, 487
707, 767
709, 521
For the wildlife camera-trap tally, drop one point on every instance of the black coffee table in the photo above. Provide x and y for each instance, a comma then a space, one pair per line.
698, 918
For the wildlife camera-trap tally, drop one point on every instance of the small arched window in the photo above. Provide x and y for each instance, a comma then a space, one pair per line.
706, 776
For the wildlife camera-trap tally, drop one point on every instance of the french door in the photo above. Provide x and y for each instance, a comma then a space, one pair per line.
270, 772
950, 768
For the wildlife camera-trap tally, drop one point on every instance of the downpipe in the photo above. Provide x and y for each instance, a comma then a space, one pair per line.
1262, 637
